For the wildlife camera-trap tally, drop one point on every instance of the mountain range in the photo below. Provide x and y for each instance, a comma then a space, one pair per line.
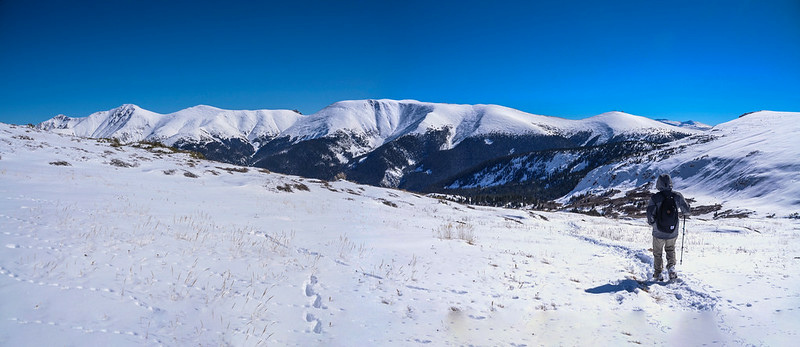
468, 150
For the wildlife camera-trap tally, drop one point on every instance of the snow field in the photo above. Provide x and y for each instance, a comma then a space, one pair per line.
170, 250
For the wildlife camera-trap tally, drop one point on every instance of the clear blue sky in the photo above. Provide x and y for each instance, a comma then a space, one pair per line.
703, 60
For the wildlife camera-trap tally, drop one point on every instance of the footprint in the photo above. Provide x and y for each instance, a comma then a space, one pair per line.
318, 327
317, 302
310, 286
309, 290
317, 324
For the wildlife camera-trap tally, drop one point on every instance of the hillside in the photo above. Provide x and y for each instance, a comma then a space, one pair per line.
748, 164
107, 244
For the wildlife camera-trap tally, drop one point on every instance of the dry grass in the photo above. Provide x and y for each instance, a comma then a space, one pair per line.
457, 230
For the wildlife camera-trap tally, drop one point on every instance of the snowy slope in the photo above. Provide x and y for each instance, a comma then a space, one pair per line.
750, 162
121, 246
619, 124
552, 172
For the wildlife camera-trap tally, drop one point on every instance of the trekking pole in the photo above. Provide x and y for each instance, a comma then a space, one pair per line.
683, 239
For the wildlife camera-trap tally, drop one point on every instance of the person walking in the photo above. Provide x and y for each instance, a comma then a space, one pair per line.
662, 214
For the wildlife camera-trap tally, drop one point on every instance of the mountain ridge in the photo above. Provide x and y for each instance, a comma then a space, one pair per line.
352, 115
405, 144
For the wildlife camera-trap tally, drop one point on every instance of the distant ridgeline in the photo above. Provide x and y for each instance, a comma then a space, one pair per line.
487, 153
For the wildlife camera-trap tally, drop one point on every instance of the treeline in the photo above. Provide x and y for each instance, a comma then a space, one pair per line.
511, 201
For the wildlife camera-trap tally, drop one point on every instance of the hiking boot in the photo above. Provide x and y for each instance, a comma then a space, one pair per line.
658, 277
672, 273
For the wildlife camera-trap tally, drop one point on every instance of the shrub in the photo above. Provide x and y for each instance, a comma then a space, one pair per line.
289, 187
234, 169
120, 163
388, 203
459, 230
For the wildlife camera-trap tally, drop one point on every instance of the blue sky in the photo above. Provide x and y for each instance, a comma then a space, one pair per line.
703, 60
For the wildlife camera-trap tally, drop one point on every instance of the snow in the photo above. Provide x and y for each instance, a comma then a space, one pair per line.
387, 120
130, 123
500, 174
178, 251
611, 124
747, 163
687, 124
377, 121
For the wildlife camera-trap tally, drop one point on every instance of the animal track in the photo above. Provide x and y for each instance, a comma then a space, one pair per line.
86, 330
136, 301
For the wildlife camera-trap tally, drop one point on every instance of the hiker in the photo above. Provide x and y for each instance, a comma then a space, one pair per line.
662, 214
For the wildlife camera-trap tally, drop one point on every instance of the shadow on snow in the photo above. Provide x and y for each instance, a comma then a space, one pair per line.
628, 285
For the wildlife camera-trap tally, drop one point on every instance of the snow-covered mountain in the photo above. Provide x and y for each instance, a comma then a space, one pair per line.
107, 244
377, 121
545, 175
743, 165
130, 123
750, 162
407, 144
226, 135
687, 124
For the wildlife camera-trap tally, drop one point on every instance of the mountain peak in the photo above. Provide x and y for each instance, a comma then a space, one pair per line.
202, 107
122, 114
622, 122
126, 108
615, 114
620, 117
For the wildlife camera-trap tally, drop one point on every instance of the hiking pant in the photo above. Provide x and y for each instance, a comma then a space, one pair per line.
660, 245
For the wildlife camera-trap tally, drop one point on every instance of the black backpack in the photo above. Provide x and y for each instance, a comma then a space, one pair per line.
667, 213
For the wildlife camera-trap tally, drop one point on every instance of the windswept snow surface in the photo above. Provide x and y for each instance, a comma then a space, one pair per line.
119, 246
